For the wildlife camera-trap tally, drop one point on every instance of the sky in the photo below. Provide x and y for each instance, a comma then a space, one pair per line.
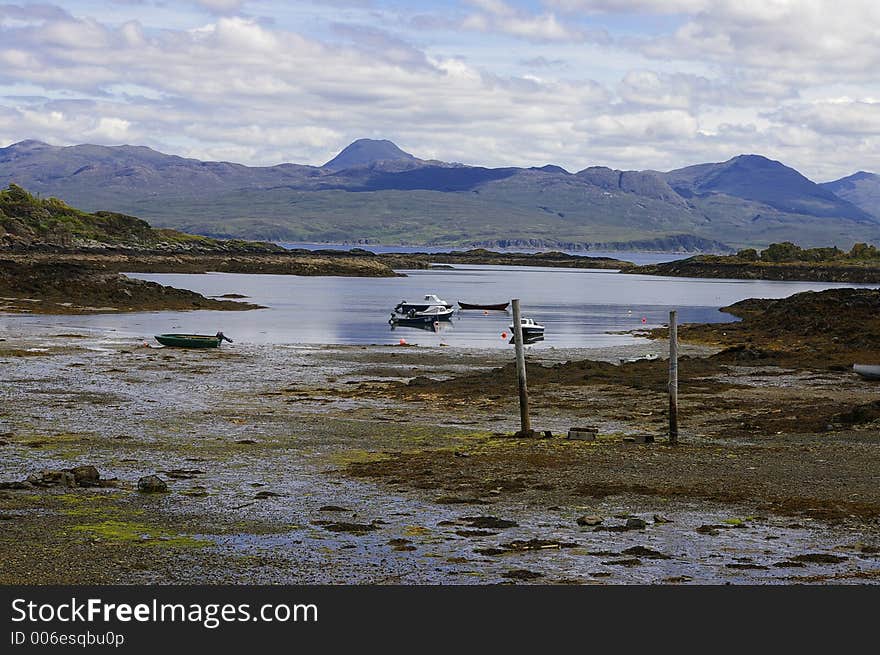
631, 84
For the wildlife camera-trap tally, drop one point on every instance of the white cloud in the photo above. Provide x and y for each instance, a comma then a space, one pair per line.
498, 16
486, 83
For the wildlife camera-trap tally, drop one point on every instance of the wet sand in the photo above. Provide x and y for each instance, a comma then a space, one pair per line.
380, 464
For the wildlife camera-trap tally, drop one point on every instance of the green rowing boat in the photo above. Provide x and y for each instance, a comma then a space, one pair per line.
192, 340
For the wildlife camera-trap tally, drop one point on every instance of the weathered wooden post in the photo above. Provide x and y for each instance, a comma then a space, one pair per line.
673, 377
525, 422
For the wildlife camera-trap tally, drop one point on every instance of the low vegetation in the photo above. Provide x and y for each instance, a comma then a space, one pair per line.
28, 222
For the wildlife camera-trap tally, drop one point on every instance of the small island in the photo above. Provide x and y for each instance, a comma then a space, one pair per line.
779, 261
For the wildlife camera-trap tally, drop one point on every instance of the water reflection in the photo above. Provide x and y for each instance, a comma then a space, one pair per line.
579, 308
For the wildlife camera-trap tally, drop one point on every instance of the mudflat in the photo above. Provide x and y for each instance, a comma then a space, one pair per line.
394, 464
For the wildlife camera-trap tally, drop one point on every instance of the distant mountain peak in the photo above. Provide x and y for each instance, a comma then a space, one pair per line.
29, 144
364, 152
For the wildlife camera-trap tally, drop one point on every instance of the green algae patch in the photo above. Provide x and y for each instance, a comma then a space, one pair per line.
128, 532
346, 457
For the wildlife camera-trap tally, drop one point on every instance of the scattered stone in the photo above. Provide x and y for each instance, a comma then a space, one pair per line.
746, 565
537, 544
490, 551
818, 558
521, 574
458, 453
333, 508
197, 491
602, 574
475, 533
350, 528
868, 549
262, 495
401, 545
709, 529
488, 522
649, 553
589, 520
633, 561
661, 519
14, 485
246, 441
789, 565
676, 579
152, 484
635, 524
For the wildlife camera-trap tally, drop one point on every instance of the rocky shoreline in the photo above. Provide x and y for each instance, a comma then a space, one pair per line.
715, 267
51, 287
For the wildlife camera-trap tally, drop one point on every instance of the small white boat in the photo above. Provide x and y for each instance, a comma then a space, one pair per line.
868, 371
429, 316
529, 328
430, 300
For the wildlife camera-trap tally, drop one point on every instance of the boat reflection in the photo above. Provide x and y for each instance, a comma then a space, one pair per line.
437, 327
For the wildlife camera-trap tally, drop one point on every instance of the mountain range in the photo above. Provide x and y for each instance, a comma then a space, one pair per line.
374, 192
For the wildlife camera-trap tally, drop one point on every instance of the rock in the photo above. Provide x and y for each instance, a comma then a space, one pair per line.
86, 476
521, 574
263, 495
538, 544
746, 566
488, 522
708, 529
350, 528
661, 519
589, 520
818, 558
475, 533
333, 508
152, 484
635, 524
634, 561
642, 551
67, 478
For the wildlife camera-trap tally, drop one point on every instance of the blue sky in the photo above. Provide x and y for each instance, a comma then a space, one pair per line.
631, 84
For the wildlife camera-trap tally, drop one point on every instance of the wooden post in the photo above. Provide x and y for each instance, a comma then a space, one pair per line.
525, 422
673, 377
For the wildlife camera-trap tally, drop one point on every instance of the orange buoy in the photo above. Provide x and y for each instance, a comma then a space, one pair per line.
485, 312
504, 335
402, 342
644, 319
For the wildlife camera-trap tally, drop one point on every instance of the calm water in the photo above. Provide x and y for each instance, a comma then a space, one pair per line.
630, 256
580, 308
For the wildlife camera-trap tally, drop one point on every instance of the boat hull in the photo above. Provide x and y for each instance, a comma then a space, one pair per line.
416, 319
188, 340
867, 371
407, 307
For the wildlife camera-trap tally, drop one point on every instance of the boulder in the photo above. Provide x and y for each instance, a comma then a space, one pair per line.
589, 520
86, 476
152, 484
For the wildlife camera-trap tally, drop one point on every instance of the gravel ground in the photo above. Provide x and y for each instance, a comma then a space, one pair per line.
322, 465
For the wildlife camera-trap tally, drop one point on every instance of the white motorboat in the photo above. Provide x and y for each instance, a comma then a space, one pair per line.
430, 300
529, 328
430, 315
